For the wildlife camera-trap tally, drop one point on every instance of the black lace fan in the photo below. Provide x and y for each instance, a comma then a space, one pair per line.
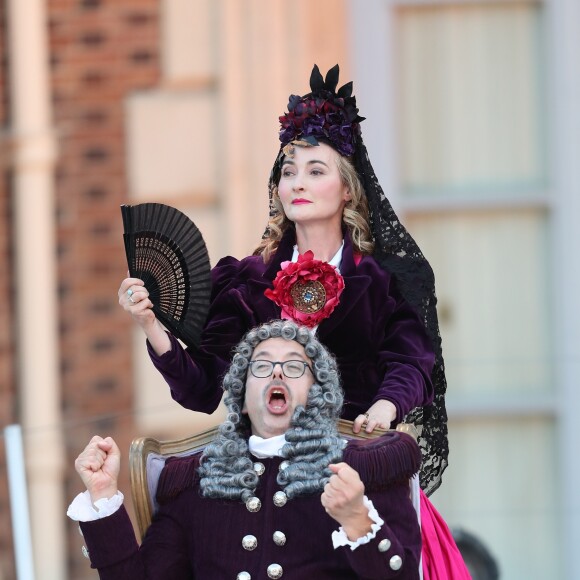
165, 249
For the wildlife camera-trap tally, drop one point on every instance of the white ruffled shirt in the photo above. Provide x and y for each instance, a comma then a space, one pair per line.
335, 261
83, 510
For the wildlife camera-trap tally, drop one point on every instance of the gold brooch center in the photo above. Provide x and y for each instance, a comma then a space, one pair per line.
308, 297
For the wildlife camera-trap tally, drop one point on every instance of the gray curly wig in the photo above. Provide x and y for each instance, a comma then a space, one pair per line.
227, 470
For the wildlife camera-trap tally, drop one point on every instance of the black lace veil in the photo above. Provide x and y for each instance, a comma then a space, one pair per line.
397, 252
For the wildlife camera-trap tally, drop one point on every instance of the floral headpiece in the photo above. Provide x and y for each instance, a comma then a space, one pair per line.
323, 113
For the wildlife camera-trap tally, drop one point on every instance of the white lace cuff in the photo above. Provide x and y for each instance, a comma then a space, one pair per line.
339, 538
82, 509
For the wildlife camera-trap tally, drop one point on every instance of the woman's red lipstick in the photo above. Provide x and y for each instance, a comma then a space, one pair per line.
300, 201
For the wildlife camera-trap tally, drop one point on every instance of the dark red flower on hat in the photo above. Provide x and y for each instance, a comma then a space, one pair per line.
307, 291
324, 113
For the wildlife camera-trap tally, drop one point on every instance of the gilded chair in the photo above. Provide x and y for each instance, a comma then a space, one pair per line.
147, 457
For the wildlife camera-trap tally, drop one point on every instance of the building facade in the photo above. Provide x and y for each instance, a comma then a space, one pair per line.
474, 128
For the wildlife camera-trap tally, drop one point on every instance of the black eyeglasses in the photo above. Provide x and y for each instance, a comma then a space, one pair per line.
292, 369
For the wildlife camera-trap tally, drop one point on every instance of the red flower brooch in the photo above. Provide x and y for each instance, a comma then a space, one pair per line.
308, 290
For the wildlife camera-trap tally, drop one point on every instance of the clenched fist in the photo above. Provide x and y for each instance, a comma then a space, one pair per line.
343, 500
98, 466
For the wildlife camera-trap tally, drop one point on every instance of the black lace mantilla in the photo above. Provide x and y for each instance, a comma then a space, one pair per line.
397, 252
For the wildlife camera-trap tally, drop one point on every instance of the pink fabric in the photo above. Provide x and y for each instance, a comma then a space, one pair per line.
441, 557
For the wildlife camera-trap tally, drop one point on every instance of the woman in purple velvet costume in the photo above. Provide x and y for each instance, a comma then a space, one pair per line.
334, 257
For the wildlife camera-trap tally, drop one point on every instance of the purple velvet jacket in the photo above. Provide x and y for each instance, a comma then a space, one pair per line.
192, 537
379, 341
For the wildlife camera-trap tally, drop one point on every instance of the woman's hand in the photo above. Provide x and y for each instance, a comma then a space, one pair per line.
134, 299
98, 466
380, 415
343, 500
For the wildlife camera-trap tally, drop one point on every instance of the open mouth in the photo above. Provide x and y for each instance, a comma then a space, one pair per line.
277, 400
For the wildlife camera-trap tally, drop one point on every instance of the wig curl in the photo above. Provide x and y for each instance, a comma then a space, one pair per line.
227, 470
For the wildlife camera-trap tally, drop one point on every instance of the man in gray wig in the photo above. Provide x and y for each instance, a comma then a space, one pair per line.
277, 493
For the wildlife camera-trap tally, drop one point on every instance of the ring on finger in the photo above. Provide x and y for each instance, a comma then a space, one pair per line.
366, 421
130, 296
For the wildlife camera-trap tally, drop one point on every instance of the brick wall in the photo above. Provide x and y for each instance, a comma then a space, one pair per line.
101, 51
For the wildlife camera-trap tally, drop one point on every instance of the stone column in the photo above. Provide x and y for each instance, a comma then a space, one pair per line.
35, 279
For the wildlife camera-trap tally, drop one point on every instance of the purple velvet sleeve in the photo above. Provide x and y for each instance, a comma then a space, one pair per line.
113, 549
405, 360
192, 383
194, 375
403, 535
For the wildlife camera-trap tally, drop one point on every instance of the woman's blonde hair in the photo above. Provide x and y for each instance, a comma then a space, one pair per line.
355, 215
